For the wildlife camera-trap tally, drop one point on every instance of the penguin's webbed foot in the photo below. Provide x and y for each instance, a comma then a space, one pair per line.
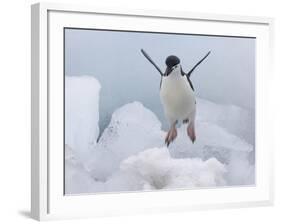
171, 136
191, 132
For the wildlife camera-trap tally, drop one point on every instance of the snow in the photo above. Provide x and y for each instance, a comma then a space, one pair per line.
132, 129
131, 156
156, 169
236, 120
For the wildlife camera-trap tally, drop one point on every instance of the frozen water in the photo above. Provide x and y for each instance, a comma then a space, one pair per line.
236, 120
77, 179
131, 155
150, 169
156, 169
132, 129
81, 113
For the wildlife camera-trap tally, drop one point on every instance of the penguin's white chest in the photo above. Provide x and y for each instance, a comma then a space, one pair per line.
177, 97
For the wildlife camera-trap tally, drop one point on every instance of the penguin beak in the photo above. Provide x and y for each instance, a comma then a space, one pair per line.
168, 71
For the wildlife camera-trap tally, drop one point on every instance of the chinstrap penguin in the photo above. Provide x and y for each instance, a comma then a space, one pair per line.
177, 96
178, 99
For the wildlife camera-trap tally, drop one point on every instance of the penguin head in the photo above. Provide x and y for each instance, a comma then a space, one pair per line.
172, 63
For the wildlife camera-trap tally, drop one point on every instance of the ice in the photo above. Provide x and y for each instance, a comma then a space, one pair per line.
132, 129
77, 179
240, 170
131, 154
150, 169
212, 141
156, 169
81, 113
236, 120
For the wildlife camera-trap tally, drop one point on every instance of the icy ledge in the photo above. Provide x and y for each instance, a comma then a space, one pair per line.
151, 169
131, 154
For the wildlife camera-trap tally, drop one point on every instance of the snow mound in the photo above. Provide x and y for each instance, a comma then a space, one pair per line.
212, 141
77, 179
155, 169
236, 120
132, 129
81, 113
131, 155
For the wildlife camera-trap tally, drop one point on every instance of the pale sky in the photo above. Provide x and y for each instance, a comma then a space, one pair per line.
227, 76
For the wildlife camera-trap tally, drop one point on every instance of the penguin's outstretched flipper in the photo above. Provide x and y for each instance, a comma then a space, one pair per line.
152, 62
195, 66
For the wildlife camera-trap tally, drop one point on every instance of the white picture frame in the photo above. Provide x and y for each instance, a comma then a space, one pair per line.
47, 199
